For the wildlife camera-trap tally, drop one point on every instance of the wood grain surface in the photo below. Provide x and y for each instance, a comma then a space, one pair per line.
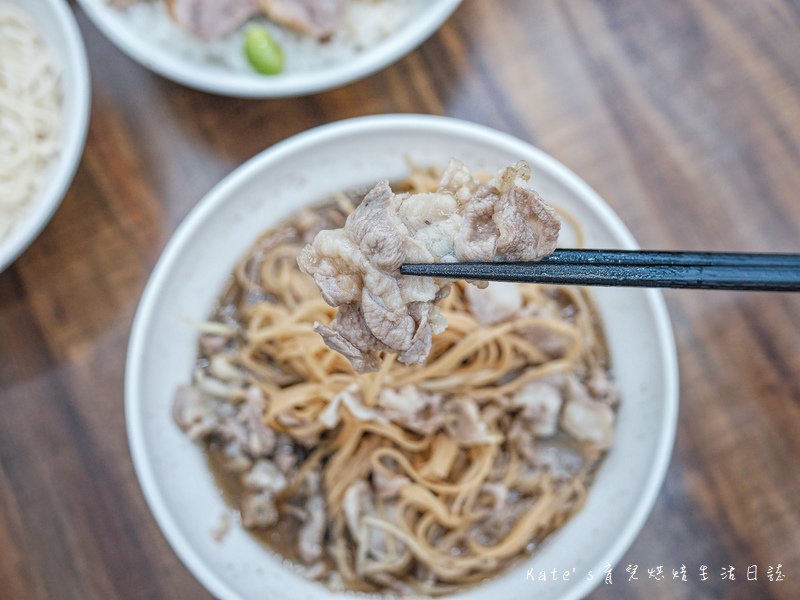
684, 115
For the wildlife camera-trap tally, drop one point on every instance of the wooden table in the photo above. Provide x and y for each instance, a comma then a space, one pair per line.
684, 115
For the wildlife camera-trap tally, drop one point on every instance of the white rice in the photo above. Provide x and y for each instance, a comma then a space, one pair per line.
367, 23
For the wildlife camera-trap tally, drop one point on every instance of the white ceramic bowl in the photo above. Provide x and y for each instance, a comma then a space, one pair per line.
218, 80
305, 169
54, 20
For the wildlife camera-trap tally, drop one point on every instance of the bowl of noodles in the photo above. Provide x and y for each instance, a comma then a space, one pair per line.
533, 439
218, 46
44, 113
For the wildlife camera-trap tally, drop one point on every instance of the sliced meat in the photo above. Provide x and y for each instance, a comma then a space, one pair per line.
194, 412
546, 340
458, 181
258, 511
338, 288
497, 302
477, 238
232, 430
358, 502
506, 220
540, 404
209, 19
351, 400
319, 18
259, 439
392, 325
234, 459
264, 476
349, 335
585, 419
601, 387
528, 227
465, 423
377, 229
412, 408
285, 456
309, 540
354, 268
432, 221
522, 439
357, 267
559, 457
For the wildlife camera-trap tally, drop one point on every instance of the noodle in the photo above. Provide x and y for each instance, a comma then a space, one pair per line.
30, 112
465, 507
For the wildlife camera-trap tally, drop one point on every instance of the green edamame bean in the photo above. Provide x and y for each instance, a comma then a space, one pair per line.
262, 51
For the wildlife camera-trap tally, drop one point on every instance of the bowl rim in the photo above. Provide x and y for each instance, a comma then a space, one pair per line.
48, 197
298, 143
246, 85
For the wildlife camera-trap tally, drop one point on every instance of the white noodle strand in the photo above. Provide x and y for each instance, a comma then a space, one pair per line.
30, 112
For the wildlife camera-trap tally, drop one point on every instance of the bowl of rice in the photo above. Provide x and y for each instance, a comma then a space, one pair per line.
44, 114
368, 36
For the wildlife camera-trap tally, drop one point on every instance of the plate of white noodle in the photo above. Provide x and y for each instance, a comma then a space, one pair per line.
44, 111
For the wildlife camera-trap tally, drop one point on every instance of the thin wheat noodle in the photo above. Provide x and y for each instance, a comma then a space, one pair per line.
30, 112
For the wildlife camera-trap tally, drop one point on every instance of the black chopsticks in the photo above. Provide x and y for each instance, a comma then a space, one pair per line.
634, 268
